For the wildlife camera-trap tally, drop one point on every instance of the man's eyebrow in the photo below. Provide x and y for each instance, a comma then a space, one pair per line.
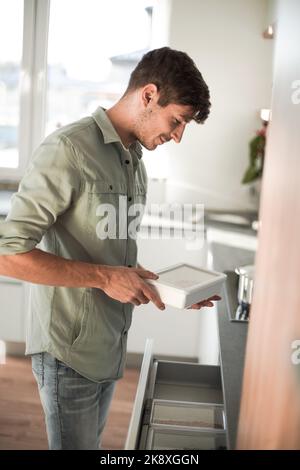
186, 117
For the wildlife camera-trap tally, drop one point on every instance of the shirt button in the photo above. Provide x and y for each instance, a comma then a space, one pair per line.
130, 198
110, 186
127, 161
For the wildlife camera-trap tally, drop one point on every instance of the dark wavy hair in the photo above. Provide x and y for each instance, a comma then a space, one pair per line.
177, 78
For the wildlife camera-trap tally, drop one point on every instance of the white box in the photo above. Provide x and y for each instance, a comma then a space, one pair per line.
183, 284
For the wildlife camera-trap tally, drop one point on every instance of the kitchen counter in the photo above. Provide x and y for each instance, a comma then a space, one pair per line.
241, 222
221, 228
237, 221
232, 336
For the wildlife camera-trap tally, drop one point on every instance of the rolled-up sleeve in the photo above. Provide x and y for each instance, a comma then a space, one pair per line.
48, 188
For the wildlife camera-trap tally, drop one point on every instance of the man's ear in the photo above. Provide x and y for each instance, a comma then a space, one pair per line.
149, 93
148, 96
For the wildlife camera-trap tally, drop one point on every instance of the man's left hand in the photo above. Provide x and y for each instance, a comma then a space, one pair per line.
205, 303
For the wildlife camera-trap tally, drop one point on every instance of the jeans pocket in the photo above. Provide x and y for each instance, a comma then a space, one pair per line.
37, 364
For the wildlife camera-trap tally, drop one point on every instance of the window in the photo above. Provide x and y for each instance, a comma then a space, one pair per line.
11, 40
92, 53
60, 60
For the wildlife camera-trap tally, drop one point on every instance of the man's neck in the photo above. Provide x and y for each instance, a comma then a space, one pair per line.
119, 115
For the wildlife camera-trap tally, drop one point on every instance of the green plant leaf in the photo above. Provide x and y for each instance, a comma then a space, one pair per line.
250, 175
256, 152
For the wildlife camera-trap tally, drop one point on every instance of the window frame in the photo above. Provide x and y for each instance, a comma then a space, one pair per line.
33, 80
33, 84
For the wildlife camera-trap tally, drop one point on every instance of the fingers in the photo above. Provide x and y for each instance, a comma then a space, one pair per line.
142, 298
205, 303
214, 297
201, 304
150, 293
139, 298
146, 274
147, 291
153, 296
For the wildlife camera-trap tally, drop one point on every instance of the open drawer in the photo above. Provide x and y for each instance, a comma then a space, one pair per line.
176, 439
178, 405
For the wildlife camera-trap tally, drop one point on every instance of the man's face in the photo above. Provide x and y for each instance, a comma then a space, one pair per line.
157, 125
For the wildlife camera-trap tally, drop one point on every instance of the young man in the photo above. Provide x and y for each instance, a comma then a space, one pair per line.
84, 284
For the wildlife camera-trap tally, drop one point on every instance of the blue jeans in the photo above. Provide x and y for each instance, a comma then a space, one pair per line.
75, 407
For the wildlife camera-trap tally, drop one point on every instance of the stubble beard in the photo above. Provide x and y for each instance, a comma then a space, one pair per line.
141, 126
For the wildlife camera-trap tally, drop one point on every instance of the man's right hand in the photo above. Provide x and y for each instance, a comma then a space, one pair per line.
129, 285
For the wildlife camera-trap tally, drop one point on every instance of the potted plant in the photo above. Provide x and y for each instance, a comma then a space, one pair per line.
253, 173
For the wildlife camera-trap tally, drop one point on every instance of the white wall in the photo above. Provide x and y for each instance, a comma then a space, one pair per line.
224, 37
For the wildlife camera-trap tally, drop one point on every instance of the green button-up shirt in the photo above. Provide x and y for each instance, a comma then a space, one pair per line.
75, 170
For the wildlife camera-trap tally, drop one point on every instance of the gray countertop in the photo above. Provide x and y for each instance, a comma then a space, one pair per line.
233, 336
239, 222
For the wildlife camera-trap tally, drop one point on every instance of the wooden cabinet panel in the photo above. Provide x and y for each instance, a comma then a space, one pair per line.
270, 410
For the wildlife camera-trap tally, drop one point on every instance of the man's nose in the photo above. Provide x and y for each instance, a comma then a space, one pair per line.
178, 133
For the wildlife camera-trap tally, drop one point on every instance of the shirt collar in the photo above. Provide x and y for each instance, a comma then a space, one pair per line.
110, 134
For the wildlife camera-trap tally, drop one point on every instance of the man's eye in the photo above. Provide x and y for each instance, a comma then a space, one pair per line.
176, 122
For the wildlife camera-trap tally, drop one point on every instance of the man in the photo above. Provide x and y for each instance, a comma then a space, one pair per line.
84, 284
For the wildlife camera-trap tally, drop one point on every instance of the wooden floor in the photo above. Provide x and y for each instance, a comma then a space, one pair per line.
22, 424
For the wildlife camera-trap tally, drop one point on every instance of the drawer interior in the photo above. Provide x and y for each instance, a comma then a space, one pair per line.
187, 414
163, 439
187, 382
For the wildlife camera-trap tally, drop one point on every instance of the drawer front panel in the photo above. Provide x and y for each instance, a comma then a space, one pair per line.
139, 402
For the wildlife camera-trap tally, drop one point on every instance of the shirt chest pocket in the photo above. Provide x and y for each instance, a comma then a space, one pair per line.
113, 208
105, 202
